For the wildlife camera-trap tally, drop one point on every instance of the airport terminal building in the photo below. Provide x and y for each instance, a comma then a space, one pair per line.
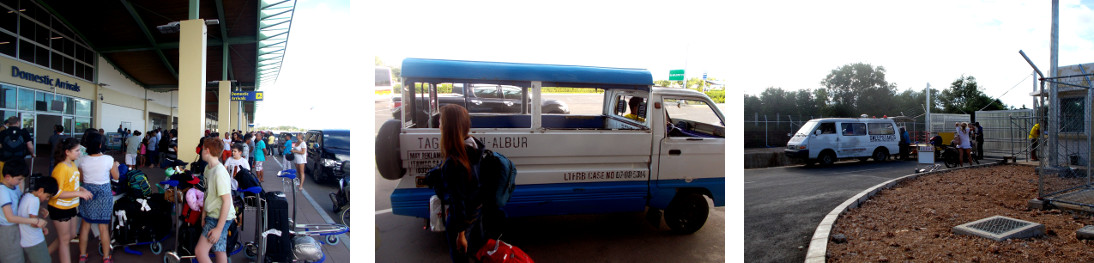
141, 65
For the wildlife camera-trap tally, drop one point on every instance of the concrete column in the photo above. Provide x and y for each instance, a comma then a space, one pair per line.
224, 113
192, 45
145, 129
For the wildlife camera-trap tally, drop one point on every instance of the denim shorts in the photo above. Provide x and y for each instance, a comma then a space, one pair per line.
222, 242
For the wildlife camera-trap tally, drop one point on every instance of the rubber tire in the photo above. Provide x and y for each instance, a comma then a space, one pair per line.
881, 155
250, 250
388, 161
156, 247
826, 158
686, 213
332, 240
950, 158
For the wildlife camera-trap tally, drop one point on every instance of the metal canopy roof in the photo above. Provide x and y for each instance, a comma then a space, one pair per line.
477, 70
124, 33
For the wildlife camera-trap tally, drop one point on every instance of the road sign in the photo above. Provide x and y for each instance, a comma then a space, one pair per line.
704, 76
246, 96
676, 74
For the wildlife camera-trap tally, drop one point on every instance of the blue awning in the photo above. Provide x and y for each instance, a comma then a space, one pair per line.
439, 69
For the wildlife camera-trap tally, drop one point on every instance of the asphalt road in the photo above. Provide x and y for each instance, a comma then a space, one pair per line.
317, 191
621, 237
783, 205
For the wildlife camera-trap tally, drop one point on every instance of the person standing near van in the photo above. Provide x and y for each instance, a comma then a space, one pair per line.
457, 183
300, 157
904, 142
979, 132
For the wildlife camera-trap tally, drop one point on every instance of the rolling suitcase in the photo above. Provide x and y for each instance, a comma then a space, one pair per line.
278, 248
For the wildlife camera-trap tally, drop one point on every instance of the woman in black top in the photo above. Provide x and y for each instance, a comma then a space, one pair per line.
456, 182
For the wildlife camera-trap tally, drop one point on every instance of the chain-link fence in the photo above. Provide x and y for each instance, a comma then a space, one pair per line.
1064, 170
1006, 132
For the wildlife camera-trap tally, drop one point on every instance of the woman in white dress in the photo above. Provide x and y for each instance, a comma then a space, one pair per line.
300, 152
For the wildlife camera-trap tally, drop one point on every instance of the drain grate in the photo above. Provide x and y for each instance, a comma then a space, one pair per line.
999, 225
1000, 228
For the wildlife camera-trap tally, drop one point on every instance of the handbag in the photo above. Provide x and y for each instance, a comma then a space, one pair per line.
499, 251
436, 214
290, 157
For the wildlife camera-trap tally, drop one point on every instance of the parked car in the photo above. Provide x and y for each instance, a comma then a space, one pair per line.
484, 98
327, 151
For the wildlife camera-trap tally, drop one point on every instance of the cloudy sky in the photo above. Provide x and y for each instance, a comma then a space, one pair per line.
917, 42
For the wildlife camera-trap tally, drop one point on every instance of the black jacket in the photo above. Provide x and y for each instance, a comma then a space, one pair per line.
450, 182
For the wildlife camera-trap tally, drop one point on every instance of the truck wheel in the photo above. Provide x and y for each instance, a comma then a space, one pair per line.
387, 150
687, 212
827, 158
880, 155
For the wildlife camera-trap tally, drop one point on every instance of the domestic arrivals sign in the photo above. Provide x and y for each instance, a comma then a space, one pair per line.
246, 96
43, 79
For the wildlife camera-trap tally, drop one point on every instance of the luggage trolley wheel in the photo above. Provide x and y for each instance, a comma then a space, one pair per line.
156, 247
332, 240
171, 257
250, 250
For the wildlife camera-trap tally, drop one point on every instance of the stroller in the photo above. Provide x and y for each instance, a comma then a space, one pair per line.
139, 216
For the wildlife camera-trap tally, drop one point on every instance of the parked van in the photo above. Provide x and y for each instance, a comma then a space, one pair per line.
828, 140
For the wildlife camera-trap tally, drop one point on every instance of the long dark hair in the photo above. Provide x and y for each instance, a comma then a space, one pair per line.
455, 127
63, 147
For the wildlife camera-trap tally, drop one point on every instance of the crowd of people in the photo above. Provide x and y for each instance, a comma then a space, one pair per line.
77, 188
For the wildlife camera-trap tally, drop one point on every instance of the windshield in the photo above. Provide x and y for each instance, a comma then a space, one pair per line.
807, 127
336, 140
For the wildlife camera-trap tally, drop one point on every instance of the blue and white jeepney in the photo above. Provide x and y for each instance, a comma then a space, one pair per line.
665, 152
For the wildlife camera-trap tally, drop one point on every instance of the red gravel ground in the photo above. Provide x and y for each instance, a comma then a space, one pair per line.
913, 221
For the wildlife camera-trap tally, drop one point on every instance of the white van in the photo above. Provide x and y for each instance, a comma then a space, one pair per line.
828, 140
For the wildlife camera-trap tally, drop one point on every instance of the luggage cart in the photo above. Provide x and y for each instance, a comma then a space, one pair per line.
173, 256
328, 232
926, 159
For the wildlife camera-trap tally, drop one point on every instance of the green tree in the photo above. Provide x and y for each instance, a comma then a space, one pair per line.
964, 96
752, 106
856, 88
777, 101
662, 83
803, 101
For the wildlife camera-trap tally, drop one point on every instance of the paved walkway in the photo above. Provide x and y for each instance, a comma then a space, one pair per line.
306, 213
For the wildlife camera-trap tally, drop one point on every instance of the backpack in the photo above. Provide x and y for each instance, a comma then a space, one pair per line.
138, 184
497, 172
11, 144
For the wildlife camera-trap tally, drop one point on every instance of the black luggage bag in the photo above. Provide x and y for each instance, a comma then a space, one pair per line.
278, 248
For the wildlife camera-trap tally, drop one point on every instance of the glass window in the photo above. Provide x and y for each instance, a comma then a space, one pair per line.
7, 97
67, 65
572, 100
693, 117
5, 114
26, 99
41, 56
83, 107
7, 44
853, 129
56, 62
88, 72
485, 91
41, 102
828, 128
1071, 115
26, 50
881, 128
41, 34
28, 122
26, 28
8, 21
56, 103
511, 92
70, 106
81, 124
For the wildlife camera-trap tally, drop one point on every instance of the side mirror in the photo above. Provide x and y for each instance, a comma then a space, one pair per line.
816, 132
789, 135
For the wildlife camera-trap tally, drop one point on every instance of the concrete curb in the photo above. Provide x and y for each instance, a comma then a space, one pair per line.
818, 245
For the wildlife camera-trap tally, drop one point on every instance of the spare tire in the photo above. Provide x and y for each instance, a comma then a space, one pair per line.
388, 160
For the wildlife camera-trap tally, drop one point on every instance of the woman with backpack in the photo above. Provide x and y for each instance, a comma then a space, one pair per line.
458, 185
97, 170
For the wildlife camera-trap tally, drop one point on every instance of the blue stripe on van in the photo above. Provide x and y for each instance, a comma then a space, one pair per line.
544, 199
663, 191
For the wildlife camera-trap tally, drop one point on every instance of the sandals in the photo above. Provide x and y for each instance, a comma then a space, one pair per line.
83, 259
108, 260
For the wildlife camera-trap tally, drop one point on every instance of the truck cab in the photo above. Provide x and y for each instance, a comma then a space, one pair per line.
636, 147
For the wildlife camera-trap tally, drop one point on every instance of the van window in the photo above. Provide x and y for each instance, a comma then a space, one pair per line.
623, 108
853, 129
881, 129
828, 128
